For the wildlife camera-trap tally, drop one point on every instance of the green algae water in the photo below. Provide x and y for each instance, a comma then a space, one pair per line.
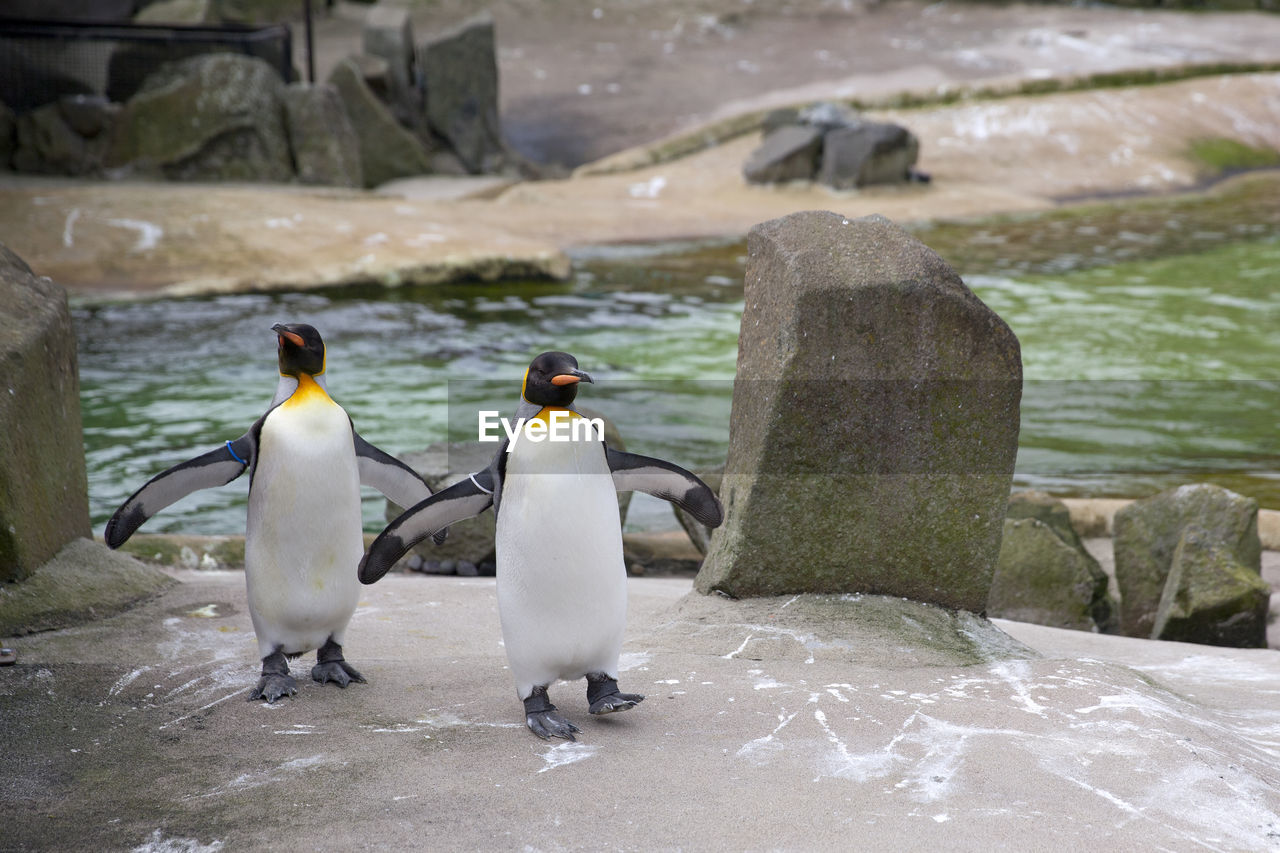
1150, 337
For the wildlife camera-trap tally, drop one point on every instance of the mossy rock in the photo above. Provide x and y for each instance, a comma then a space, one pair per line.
874, 425
1047, 510
1147, 533
1211, 597
44, 500
85, 581
1043, 579
213, 117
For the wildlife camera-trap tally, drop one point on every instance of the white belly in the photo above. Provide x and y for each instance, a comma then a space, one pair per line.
303, 540
562, 592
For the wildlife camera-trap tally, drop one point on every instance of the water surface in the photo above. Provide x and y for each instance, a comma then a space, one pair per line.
1147, 365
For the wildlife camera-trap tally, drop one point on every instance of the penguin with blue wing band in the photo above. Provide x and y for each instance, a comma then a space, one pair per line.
562, 584
303, 537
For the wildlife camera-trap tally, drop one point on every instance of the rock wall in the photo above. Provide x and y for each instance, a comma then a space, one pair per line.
43, 488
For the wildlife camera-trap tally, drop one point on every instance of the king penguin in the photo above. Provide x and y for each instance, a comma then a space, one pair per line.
303, 536
562, 584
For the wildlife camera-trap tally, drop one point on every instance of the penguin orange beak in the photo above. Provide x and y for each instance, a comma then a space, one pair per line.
292, 337
572, 378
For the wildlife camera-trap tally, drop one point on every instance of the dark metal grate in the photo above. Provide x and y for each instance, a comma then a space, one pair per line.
42, 60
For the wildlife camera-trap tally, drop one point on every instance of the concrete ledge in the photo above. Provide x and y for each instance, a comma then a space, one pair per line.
85, 581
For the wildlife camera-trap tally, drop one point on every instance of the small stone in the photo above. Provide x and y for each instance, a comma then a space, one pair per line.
467, 569
789, 153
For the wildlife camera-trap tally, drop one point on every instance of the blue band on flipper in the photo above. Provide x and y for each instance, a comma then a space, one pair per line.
234, 455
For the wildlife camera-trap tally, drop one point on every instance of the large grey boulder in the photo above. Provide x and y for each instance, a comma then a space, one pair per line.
1041, 578
67, 137
789, 153
326, 149
1147, 533
458, 73
1211, 597
388, 33
867, 153
387, 150
874, 424
214, 117
44, 500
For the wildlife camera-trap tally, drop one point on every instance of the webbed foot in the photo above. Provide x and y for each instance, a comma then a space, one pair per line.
330, 666
275, 681
339, 672
544, 720
605, 698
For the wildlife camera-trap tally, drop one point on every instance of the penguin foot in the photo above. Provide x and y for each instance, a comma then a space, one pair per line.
339, 672
272, 687
605, 698
276, 680
544, 720
549, 724
330, 666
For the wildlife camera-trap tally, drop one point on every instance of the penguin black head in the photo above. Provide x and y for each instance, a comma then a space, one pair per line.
552, 379
300, 349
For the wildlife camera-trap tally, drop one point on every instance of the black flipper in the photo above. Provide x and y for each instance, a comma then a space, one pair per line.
215, 468
632, 472
401, 484
463, 499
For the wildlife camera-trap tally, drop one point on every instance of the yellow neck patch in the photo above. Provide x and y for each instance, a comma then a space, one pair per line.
308, 391
544, 414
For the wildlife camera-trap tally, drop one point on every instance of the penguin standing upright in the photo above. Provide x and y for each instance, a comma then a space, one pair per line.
303, 538
562, 584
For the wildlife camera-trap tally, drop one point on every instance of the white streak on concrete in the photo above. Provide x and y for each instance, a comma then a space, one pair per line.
67, 239
633, 660
149, 233
157, 843
1015, 673
126, 680
758, 751
177, 720
740, 649
567, 753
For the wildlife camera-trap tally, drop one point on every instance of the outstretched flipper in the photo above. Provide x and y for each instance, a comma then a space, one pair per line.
463, 499
632, 472
401, 484
215, 468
